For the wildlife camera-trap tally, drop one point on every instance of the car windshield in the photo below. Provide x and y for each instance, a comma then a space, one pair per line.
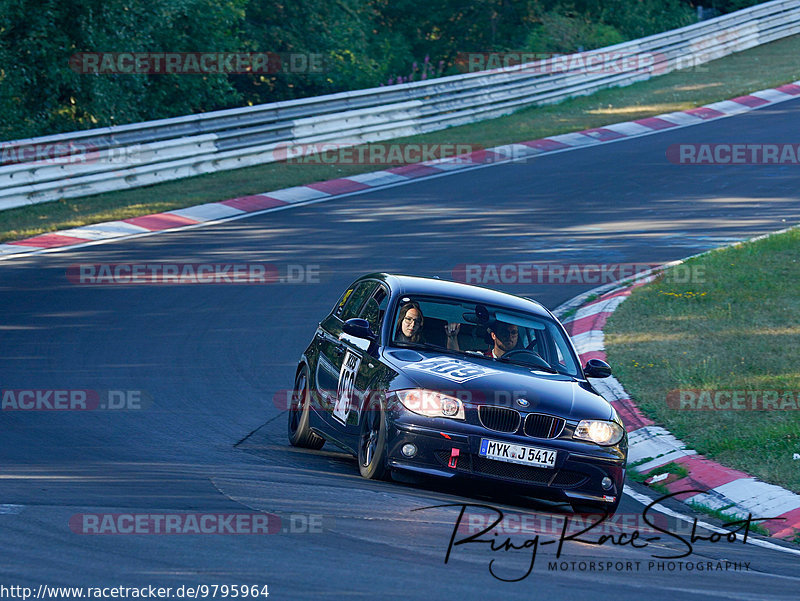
490, 331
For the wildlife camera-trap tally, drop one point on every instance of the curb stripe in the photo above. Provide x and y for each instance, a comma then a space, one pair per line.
655, 123
160, 221
50, 241
705, 113
751, 101
207, 212
602, 134
545, 144
415, 170
237, 208
728, 489
338, 186
256, 202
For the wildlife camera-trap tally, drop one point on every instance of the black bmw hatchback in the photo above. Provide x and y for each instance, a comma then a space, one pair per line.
446, 379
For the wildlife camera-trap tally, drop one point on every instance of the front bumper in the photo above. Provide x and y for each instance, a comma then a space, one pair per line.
450, 449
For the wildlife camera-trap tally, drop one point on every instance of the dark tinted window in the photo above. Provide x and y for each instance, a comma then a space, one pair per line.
375, 308
354, 301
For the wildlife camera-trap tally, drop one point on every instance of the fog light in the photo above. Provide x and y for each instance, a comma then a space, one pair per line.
409, 450
607, 483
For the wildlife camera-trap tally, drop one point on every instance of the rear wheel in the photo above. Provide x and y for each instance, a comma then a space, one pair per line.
372, 442
300, 434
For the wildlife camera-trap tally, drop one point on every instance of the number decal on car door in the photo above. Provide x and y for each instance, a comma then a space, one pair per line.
347, 385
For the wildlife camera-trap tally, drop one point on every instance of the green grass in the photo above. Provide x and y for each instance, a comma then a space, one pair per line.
736, 329
667, 468
763, 67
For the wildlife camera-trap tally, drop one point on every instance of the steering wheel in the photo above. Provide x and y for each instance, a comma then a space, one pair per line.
529, 357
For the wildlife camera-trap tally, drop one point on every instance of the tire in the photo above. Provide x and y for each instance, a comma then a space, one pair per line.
300, 435
372, 442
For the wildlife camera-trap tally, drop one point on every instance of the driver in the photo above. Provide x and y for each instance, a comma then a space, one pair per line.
505, 337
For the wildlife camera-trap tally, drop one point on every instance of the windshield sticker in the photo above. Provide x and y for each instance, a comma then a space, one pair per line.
454, 370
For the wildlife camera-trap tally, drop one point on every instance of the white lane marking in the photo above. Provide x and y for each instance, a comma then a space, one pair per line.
759, 497
610, 389
378, 178
681, 118
606, 306
575, 139
772, 95
11, 249
7, 509
207, 212
729, 107
630, 129
515, 150
297, 194
593, 340
656, 442
645, 500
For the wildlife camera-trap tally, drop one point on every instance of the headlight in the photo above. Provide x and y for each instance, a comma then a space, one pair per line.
430, 403
599, 432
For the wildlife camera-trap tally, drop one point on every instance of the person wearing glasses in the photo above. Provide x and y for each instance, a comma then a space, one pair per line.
409, 324
505, 337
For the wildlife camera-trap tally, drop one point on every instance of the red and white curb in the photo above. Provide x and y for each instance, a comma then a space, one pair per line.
238, 208
727, 489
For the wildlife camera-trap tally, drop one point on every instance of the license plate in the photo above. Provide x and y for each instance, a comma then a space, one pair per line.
517, 453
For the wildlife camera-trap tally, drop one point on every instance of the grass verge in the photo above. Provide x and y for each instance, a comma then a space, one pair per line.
759, 68
727, 517
717, 361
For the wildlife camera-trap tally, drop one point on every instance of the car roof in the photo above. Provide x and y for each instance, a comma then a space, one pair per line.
409, 284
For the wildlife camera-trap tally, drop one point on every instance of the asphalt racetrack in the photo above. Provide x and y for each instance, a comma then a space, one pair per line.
210, 438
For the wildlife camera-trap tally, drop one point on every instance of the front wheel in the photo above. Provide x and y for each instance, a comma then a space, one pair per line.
300, 434
372, 442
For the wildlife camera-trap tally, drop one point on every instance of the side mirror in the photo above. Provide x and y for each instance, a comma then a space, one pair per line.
359, 328
595, 368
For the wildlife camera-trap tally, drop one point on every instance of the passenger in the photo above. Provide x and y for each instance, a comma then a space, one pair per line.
505, 337
409, 324
451, 331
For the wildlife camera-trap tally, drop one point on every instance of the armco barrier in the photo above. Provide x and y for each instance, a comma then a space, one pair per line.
128, 156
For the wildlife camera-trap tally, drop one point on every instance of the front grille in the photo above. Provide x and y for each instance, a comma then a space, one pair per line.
513, 471
540, 425
499, 419
567, 479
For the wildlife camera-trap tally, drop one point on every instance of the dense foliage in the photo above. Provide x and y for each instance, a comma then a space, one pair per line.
362, 43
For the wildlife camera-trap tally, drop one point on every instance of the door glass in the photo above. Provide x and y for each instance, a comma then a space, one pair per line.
355, 300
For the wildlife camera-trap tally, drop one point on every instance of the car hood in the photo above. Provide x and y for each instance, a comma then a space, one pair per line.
485, 381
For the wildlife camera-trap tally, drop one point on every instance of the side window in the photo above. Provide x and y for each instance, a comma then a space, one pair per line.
375, 308
354, 300
340, 305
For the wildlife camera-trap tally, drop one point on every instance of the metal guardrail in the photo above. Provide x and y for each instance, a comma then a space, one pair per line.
113, 158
